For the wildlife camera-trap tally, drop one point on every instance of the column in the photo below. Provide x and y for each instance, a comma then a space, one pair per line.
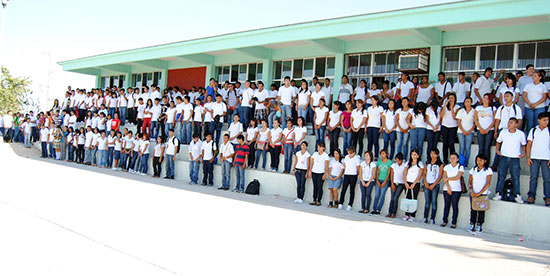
435, 61
338, 72
98, 81
210, 72
267, 72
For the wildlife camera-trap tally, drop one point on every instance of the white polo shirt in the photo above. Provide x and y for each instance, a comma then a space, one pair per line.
535, 92
351, 165
321, 114
336, 167
461, 90
366, 170
433, 118
334, 117
540, 148
319, 161
227, 150
511, 143
405, 88
390, 118
286, 94
233, 129
485, 116
195, 149
504, 113
456, 185
218, 109
479, 178
374, 116
208, 148
483, 85
171, 145
247, 94
358, 117
466, 119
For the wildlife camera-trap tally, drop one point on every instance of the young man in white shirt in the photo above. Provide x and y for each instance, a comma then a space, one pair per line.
219, 110
510, 148
208, 153
261, 95
462, 89
327, 89
156, 110
246, 103
483, 86
286, 98
172, 148
195, 149
538, 156
44, 138
235, 129
442, 88
227, 152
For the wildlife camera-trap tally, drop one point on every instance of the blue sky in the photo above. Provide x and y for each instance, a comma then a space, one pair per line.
40, 33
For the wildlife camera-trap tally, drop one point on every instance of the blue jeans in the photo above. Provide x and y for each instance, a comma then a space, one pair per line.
366, 193
102, 158
245, 115
389, 143
169, 165
286, 111
496, 158
531, 116
52, 151
154, 130
16, 132
346, 136
465, 143
239, 171
302, 113
167, 128
271, 117
226, 174
112, 111
207, 172
534, 175
433, 138
144, 163
431, 199
194, 168
505, 164
485, 142
261, 153
71, 152
28, 139
179, 131
216, 128
288, 150
123, 160
44, 149
373, 135
379, 196
94, 156
300, 183
187, 128
110, 152
417, 139
319, 135
133, 160
122, 111
403, 143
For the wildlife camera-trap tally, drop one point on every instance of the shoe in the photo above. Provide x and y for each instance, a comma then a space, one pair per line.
547, 202
143, 174
313, 203
497, 197
388, 215
411, 219
530, 200
472, 228
376, 213
432, 221
220, 188
405, 218
235, 190
340, 206
131, 171
273, 170
114, 169
348, 208
518, 199
393, 216
167, 177
425, 220
478, 228
296, 201
300, 201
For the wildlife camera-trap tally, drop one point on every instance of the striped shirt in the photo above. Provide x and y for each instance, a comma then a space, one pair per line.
241, 151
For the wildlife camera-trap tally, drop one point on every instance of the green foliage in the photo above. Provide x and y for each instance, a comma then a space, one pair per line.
14, 92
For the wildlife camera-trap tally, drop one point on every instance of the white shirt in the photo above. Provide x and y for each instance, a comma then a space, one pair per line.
466, 119
227, 150
461, 90
316, 96
186, 109
197, 113
479, 179
405, 88
156, 110
366, 170
321, 114
157, 150
447, 118
336, 167
389, 118
535, 92
286, 94
302, 98
170, 115
218, 110
511, 143
72, 121
247, 94
398, 172
418, 120
171, 145
456, 185
334, 117
484, 87
137, 144
504, 113
360, 93
351, 165
208, 148
328, 93
262, 137
118, 144
523, 81
140, 111
319, 161
95, 121
540, 148
299, 133
89, 137
234, 129
207, 116
424, 94
302, 160
261, 96
432, 173
504, 88
44, 135
102, 143
358, 117
250, 133
374, 116
275, 135
414, 171
372, 93
403, 117
195, 149
485, 116
433, 118
344, 92
110, 140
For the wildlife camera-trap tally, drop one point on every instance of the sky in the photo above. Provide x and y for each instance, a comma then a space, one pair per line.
40, 33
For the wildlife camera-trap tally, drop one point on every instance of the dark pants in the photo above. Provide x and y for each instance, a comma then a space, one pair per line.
317, 186
349, 181
333, 139
156, 166
34, 134
412, 194
395, 198
389, 143
485, 142
44, 146
300, 183
433, 138
477, 217
366, 195
216, 127
275, 153
357, 138
208, 171
252, 154
450, 200
80, 154
431, 200
372, 139
132, 115
197, 129
81, 114
139, 125
448, 134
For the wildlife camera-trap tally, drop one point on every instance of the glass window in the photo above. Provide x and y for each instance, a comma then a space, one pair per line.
259, 70
234, 73
380, 63
505, 56
277, 69
353, 64
487, 57
252, 71
287, 69
242, 72
297, 70
155, 77
526, 54
467, 58
330, 67
320, 65
543, 54
226, 72
391, 63
308, 68
451, 59
364, 64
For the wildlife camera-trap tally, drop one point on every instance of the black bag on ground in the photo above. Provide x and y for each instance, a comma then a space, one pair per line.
508, 191
253, 187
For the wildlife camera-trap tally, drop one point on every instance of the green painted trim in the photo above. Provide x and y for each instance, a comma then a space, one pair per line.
338, 72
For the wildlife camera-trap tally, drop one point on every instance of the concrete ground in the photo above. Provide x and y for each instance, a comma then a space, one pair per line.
59, 218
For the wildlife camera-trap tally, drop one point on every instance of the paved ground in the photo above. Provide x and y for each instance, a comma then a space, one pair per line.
65, 219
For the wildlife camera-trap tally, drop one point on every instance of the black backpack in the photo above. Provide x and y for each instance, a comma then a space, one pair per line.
508, 191
253, 187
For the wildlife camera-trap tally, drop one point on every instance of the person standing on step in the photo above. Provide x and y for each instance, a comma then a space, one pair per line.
227, 152
382, 181
352, 163
432, 177
538, 156
241, 155
208, 153
195, 150
172, 148
301, 171
479, 182
275, 139
318, 172
452, 174
335, 177
367, 173
502, 117
413, 174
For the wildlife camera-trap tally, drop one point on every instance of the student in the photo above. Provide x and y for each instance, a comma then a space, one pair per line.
389, 126
318, 172
235, 129
110, 148
482, 85
144, 154
44, 138
102, 150
241, 156
412, 174
158, 153
449, 126
227, 152
352, 163
479, 182
127, 149
207, 115
534, 95
425, 91
117, 149
466, 127
135, 154
433, 126
462, 89
147, 115
335, 177
367, 171
510, 84
358, 120
319, 122
345, 90
285, 99
94, 146
334, 123
58, 139
484, 119
403, 118
502, 117
71, 137
195, 150
382, 181
208, 153
538, 156
304, 99
404, 88
88, 146
250, 139
260, 110
301, 171
275, 138
510, 148
360, 92
373, 92
170, 117
432, 177
452, 174
81, 146
50, 142
374, 125
300, 132
170, 151
219, 111
186, 120
198, 115
345, 122
418, 127
262, 145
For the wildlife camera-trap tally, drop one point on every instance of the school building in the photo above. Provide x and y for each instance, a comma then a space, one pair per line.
460, 36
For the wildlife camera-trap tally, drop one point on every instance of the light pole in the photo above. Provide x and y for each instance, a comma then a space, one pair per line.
3, 24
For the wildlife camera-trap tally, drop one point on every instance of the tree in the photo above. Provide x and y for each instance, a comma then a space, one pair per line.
15, 93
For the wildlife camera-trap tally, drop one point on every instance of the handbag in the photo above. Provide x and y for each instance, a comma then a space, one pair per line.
408, 205
463, 185
480, 203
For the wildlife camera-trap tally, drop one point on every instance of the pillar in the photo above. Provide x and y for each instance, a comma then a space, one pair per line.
338, 72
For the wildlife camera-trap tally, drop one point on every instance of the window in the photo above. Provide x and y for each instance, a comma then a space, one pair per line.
526, 54
239, 72
543, 55
505, 56
371, 67
307, 68
487, 57
467, 58
451, 60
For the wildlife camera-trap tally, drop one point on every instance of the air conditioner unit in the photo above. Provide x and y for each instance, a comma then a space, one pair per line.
417, 63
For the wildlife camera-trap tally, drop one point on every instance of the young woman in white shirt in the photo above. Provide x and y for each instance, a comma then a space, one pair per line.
449, 126
319, 122
144, 154
318, 172
158, 153
432, 177
300, 170
360, 92
250, 139
304, 98
413, 174
147, 115
300, 132
484, 119
510, 84
288, 145
403, 118
367, 172
433, 125
81, 141
334, 122
397, 179
335, 177
466, 128
452, 174
373, 92
389, 126
117, 151
425, 91
358, 120
418, 127
374, 125
102, 149
478, 183
275, 139
351, 168
110, 148
534, 95
261, 146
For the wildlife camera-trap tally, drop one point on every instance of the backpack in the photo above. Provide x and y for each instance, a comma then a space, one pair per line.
253, 187
179, 146
508, 191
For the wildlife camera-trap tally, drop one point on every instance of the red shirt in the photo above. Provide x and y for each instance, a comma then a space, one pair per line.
115, 124
240, 154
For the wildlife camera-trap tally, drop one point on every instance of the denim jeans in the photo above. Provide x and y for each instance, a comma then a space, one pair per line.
389, 143
167, 128
144, 163
448, 135
450, 201
122, 111
302, 112
403, 143
286, 111
52, 151
187, 132
179, 131
288, 150
431, 199
346, 137
320, 135
485, 142
110, 152
300, 183
373, 135
534, 175
133, 160
226, 174
102, 158
531, 116
433, 138
44, 149
154, 130
505, 164
465, 143
71, 152
170, 165
94, 156
366, 193
28, 139
333, 139
245, 116
379, 196
194, 168
271, 117
208, 172
261, 153
112, 111
417, 139
216, 130
239, 171
123, 160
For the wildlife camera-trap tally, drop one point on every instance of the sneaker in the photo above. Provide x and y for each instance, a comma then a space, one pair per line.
432, 221
411, 219
497, 197
518, 199
405, 218
114, 169
472, 228
235, 190
220, 188
300, 201
340, 206
348, 208
478, 228
273, 170
375, 213
425, 220
296, 200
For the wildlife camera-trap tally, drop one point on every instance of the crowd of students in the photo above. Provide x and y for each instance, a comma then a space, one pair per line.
92, 128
